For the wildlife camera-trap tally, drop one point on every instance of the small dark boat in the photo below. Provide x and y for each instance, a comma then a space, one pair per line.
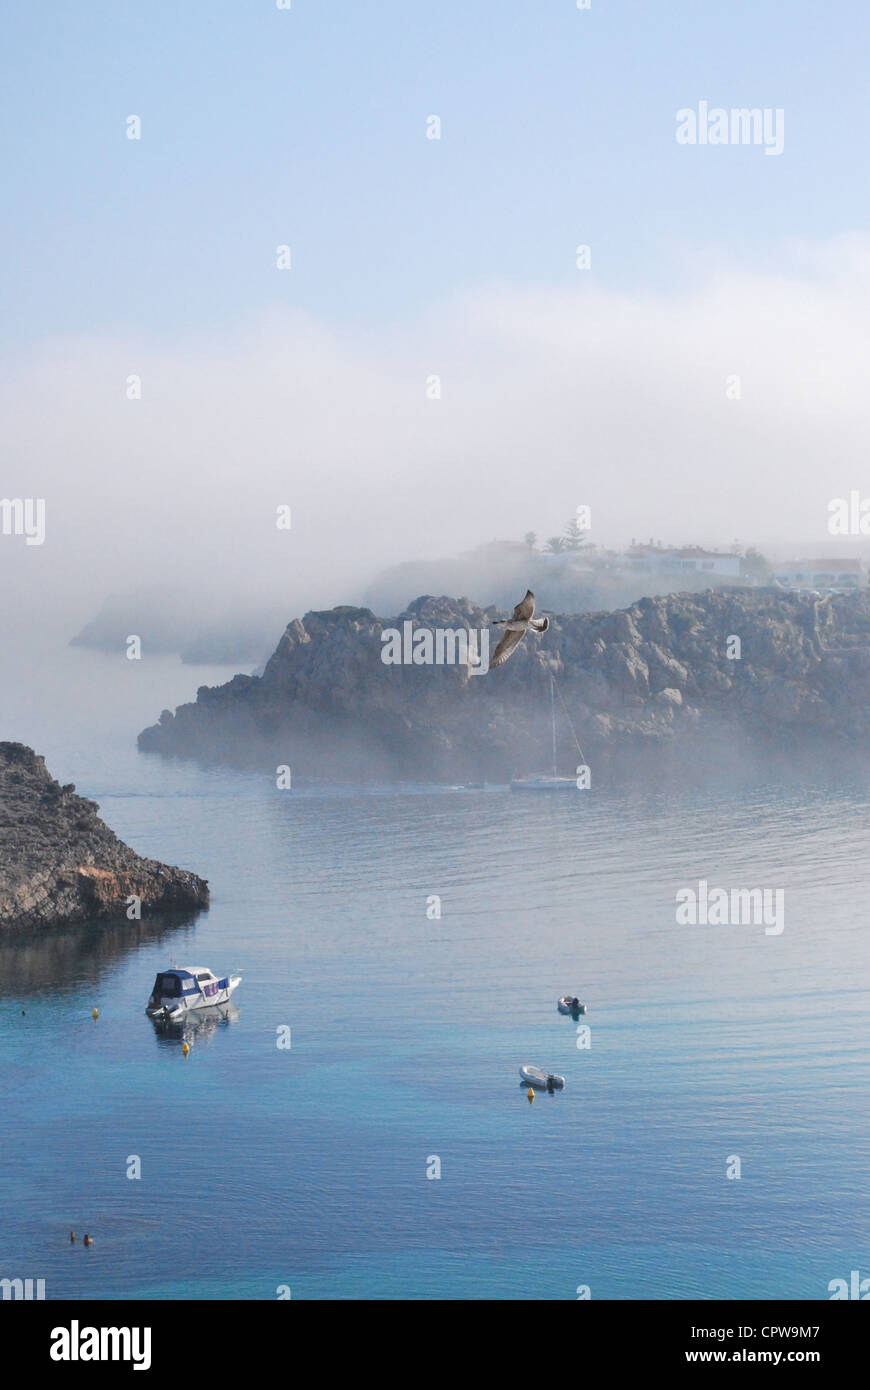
569, 1004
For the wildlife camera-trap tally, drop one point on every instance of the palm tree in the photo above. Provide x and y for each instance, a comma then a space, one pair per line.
555, 545
531, 539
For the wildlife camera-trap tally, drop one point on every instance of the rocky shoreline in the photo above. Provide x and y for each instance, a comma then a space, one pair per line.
59, 863
660, 688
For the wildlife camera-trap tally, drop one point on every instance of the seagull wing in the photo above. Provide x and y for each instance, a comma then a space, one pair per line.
505, 647
526, 607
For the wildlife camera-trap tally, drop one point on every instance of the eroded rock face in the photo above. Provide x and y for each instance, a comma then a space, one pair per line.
60, 863
651, 682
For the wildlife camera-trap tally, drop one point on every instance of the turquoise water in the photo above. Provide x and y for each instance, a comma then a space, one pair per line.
306, 1167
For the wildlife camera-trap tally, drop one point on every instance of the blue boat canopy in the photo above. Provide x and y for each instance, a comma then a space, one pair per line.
174, 983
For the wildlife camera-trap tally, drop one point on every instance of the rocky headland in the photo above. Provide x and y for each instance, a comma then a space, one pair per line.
60, 863
712, 684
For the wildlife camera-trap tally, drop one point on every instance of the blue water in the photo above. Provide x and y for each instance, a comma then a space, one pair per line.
306, 1167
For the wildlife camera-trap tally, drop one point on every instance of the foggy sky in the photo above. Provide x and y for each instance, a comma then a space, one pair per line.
550, 398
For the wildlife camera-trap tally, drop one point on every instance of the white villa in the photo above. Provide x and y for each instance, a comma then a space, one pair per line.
686, 559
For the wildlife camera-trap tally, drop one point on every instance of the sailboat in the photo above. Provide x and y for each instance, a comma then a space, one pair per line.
553, 782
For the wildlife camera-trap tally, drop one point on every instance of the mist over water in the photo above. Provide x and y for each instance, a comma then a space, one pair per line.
323, 306
308, 1166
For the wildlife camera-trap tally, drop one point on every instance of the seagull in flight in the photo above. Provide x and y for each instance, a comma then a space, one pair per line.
521, 621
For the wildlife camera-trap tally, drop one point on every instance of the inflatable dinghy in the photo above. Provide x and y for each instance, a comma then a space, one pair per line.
545, 1081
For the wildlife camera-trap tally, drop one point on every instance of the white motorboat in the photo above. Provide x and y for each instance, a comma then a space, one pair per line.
545, 1081
570, 1004
180, 989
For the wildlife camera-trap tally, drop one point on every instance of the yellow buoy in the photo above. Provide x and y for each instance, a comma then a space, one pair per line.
95, 1015
185, 1049
530, 1093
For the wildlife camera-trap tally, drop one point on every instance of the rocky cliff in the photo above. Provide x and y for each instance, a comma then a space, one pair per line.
650, 688
60, 863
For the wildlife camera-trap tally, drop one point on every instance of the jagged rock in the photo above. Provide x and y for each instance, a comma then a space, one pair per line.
669, 696
653, 677
664, 671
59, 863
626, 669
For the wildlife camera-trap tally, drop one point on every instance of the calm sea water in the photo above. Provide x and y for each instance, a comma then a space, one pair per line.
307, 1166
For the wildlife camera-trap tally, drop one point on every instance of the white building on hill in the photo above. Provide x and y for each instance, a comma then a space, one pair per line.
686, 559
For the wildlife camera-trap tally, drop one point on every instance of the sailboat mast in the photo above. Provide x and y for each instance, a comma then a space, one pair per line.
553, 717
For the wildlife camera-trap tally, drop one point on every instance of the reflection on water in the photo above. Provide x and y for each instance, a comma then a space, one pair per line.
36, 961
198, 1026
